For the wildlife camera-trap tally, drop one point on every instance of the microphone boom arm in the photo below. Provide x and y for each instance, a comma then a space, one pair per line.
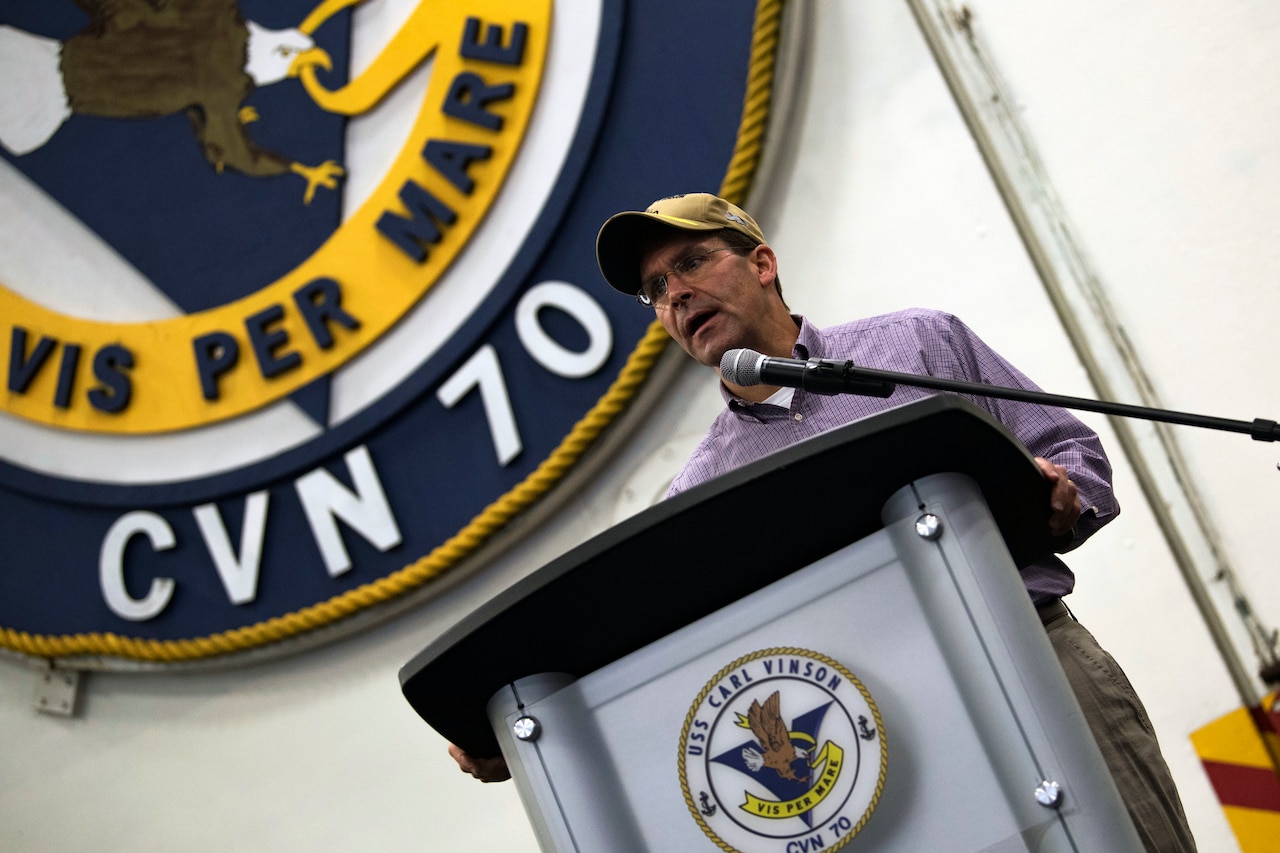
866, 380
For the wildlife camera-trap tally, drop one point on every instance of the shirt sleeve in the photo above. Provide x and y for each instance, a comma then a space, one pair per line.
1046, 431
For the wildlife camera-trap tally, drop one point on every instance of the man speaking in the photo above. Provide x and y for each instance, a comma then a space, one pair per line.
703, 266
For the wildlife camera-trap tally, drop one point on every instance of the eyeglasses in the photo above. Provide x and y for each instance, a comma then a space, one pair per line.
692, 267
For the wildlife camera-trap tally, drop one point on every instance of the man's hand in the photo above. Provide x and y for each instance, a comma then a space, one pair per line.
484, 769
1064, 500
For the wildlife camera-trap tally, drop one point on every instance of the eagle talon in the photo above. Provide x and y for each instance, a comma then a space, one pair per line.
325, 175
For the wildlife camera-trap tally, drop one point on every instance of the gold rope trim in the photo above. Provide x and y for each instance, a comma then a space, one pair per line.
736, 184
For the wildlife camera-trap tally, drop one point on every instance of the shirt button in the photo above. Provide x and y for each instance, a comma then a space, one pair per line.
799, 416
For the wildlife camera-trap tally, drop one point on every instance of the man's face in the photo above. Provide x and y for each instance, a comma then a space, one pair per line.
726, 303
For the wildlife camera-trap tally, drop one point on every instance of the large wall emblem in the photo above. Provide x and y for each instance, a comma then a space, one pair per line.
298, 303
783, 746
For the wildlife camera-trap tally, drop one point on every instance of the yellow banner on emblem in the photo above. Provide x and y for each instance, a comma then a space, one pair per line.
832, 756
487, 60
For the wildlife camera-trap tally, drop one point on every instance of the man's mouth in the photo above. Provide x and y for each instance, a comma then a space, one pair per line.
696, 322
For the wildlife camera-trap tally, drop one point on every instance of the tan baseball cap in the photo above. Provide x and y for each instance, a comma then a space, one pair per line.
626, 236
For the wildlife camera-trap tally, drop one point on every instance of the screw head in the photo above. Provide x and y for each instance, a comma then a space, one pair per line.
1049, 794
526, 729
928, 526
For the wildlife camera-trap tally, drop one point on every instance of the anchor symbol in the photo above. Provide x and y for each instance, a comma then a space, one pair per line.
865, 732
707, 808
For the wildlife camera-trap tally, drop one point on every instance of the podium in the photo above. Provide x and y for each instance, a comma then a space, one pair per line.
829, 648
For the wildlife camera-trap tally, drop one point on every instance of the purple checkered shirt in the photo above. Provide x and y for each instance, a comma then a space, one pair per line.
926, 342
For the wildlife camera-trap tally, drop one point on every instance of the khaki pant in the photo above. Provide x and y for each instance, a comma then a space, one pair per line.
1124, 734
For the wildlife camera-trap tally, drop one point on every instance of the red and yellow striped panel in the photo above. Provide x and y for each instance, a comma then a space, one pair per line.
1241, 755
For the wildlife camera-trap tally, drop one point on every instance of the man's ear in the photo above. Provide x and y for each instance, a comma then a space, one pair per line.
766, 264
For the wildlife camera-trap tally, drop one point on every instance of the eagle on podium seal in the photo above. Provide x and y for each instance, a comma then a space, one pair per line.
783, 745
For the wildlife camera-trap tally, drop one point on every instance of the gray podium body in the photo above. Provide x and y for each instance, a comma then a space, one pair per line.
828, 649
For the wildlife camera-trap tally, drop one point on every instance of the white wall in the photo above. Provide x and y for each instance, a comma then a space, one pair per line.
1158, 128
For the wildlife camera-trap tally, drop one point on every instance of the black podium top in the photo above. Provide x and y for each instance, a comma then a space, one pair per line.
710, 546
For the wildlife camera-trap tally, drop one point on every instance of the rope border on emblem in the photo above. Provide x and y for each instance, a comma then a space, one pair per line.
737, 181
782, 651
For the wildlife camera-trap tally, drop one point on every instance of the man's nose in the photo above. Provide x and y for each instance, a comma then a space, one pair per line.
677, 289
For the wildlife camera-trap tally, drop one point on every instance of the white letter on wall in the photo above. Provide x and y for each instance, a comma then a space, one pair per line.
239, 575
579, 305
111, 566
366, 510
483, 371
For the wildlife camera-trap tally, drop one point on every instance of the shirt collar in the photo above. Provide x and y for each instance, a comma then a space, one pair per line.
808, 345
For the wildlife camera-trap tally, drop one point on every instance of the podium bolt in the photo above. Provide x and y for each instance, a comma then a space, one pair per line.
1049, 794
526, 729
929, 526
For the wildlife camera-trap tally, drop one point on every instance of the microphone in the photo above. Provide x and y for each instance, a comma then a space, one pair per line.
824, 376
817, 375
